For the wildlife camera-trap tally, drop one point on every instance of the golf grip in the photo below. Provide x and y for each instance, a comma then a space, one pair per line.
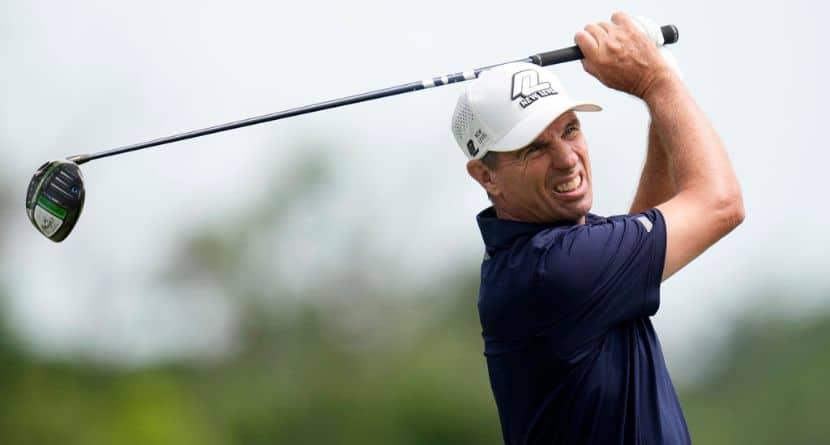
670, 35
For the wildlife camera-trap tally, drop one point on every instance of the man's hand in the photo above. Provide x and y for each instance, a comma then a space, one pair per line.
622, 57
707, 202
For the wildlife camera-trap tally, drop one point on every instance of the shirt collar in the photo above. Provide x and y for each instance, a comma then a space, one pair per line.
498, 232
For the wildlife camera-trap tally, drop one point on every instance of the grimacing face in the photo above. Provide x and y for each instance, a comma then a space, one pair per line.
547, 181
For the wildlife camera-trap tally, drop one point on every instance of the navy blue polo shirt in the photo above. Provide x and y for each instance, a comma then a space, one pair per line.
570, 349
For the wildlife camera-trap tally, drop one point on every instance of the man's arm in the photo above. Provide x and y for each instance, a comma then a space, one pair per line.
657, 184
708, 203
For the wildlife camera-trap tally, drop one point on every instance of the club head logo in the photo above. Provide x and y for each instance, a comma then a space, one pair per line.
526, 85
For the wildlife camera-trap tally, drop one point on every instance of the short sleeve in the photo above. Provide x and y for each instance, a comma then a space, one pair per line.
604, 273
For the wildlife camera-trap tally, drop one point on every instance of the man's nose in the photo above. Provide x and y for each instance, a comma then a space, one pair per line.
564, 158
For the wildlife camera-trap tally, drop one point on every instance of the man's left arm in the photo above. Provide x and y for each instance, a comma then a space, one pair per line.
657, 184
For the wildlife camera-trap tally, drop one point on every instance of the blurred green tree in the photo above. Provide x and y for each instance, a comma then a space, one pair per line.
350, 360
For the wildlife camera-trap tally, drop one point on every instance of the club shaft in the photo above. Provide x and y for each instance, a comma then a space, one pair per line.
542, 59
334, 103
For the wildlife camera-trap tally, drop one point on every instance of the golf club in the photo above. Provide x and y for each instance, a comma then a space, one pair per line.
55, 196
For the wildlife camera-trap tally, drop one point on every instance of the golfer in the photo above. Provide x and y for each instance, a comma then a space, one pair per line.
566, 295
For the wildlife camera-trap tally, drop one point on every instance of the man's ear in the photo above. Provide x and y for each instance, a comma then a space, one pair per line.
484, 176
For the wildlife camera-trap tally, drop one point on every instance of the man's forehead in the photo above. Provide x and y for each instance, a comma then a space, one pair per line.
563, 119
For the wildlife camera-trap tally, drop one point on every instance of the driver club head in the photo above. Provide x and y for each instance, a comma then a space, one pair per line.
55, 198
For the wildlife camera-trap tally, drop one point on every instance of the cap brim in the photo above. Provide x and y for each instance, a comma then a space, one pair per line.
529, 129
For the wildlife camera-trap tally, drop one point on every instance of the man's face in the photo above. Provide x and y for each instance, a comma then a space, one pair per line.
547, 181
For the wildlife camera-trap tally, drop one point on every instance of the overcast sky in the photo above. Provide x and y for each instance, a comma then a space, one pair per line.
83, 76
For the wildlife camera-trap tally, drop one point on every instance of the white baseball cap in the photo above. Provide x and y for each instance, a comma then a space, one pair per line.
508, 107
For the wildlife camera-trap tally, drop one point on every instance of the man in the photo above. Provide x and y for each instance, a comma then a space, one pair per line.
566, 295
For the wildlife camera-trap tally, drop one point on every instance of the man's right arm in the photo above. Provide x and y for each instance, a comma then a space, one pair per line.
708, 203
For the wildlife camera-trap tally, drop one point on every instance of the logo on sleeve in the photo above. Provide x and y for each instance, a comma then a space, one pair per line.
645, 222
527, 86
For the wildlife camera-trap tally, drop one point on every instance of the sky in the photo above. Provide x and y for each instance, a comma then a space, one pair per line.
86, 75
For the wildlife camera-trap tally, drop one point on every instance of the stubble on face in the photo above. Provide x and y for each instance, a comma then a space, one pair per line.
549, 180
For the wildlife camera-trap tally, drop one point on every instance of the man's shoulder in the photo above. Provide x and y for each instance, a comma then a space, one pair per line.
508, 235
596, 236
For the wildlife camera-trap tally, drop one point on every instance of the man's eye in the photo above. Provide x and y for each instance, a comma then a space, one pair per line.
571, 129
533, 150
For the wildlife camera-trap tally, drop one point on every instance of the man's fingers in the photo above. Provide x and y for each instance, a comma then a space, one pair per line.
587, 43
607, 27
596, 31
639, 29
597, 36
622, 19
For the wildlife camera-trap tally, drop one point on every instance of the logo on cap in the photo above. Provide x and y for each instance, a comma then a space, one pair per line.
471, 147
527, 86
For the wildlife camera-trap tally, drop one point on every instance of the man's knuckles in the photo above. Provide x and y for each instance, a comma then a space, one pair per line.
622, 19
614, 46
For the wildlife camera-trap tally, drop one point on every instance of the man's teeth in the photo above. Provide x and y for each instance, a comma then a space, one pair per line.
569, 186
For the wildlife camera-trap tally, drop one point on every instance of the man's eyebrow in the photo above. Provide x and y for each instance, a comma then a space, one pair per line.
532, 145
543, 144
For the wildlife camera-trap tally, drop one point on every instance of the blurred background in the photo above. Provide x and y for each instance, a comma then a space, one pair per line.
314, 280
